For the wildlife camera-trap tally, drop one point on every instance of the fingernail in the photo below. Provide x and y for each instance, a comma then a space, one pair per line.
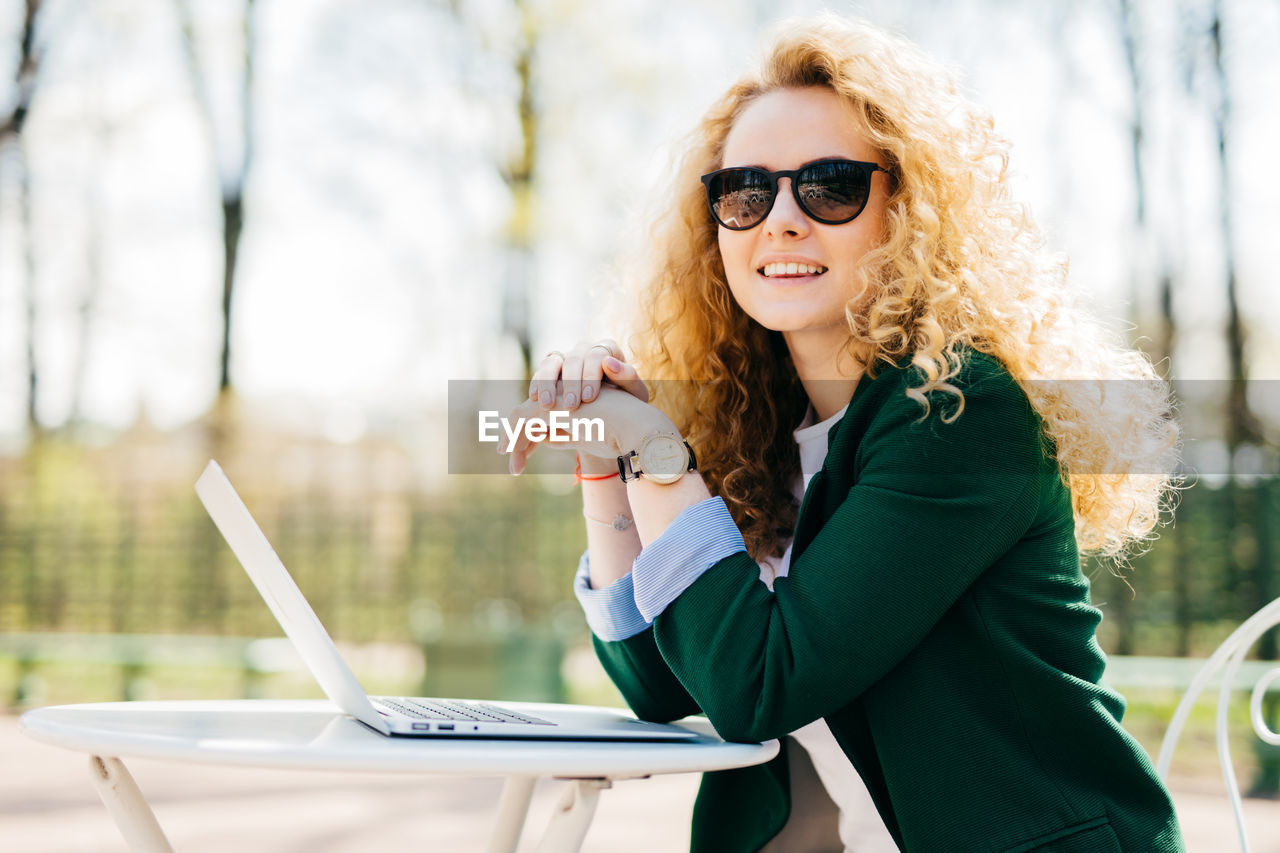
571, 400
533, 393
587, 392
546, 398
612, 363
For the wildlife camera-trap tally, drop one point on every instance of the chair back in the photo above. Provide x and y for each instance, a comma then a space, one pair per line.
1226, 660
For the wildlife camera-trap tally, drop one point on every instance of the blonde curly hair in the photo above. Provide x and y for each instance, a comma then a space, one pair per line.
961, 267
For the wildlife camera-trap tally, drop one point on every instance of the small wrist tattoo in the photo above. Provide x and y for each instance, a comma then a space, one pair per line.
620, 522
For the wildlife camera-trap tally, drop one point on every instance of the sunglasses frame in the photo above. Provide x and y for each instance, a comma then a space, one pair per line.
868, 169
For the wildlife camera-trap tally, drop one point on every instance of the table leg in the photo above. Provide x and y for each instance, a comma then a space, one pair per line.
133, 817
572, 817
512, 810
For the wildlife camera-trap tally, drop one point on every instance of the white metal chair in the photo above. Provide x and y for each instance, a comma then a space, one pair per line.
1226, 659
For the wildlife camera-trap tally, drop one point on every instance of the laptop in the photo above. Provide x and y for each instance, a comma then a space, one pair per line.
398, 715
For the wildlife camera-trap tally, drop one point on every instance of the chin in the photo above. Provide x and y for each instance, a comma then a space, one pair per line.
795, 321
775, 323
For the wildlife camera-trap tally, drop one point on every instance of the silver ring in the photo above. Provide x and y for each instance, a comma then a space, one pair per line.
604, 347
555, 352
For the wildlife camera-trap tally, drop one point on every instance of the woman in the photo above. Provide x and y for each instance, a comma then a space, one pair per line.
896, 584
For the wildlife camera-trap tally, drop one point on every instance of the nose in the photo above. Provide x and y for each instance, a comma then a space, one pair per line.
786, 219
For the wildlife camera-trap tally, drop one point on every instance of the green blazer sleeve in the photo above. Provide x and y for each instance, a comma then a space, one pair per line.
932, 504
644, 679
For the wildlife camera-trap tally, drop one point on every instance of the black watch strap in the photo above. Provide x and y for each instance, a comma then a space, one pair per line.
624, 467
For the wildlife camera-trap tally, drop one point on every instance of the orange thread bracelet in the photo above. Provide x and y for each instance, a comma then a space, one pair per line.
578, 476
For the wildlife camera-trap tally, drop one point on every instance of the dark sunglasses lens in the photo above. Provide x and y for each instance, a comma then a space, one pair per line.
833, 192
740, 198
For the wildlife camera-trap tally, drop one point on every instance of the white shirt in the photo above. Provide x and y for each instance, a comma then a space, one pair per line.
860, 826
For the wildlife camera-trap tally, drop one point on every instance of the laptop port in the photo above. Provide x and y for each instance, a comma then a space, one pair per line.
421, 727
445, 727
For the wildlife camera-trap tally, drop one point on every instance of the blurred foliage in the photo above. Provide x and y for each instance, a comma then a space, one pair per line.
1188, 592
114, 540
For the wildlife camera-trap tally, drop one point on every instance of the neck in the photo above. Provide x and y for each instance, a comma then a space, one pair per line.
829, 375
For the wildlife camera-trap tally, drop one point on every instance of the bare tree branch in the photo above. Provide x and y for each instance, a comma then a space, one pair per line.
519, 174
231, 183
11, 135
28, 66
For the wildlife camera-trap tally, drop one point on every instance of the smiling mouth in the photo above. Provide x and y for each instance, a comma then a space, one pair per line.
779, 270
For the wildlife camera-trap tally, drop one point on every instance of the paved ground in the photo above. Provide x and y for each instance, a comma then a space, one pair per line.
48, 805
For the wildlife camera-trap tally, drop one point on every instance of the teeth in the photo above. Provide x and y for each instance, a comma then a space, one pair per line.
778, 268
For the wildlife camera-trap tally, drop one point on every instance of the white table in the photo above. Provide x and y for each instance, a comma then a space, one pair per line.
315, 735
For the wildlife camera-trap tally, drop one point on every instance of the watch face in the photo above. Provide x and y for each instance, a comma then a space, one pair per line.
663, 458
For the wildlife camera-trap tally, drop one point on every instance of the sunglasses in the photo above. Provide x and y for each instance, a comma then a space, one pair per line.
830, 191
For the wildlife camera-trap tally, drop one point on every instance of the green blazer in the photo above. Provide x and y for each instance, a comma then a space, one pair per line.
936, 616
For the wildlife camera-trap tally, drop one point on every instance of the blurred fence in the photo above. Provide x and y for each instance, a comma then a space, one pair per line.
86, 548
113, 540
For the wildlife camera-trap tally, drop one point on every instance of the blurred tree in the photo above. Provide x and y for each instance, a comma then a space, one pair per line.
102, 132
1250, 569
519, 169
1151, 264
1249, 555
12, 140
232, 171
519, 174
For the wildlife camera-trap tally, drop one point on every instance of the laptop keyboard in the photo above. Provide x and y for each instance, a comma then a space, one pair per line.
447, 710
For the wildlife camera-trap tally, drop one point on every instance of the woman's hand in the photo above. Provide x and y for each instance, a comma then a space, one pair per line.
624, 419
567, 380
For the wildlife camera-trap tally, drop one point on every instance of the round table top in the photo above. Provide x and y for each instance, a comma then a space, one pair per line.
314, 734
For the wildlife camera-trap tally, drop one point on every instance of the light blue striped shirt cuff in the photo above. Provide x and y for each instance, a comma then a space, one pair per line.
611, 612
701, 536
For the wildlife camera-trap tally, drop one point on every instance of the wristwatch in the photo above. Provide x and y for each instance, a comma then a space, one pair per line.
661, 457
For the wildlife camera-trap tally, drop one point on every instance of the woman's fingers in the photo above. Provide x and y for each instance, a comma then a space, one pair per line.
579, 371
595, 430
542, 386
519, 459
593, 374
521, 447
625, 377
571, 374
583, 373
